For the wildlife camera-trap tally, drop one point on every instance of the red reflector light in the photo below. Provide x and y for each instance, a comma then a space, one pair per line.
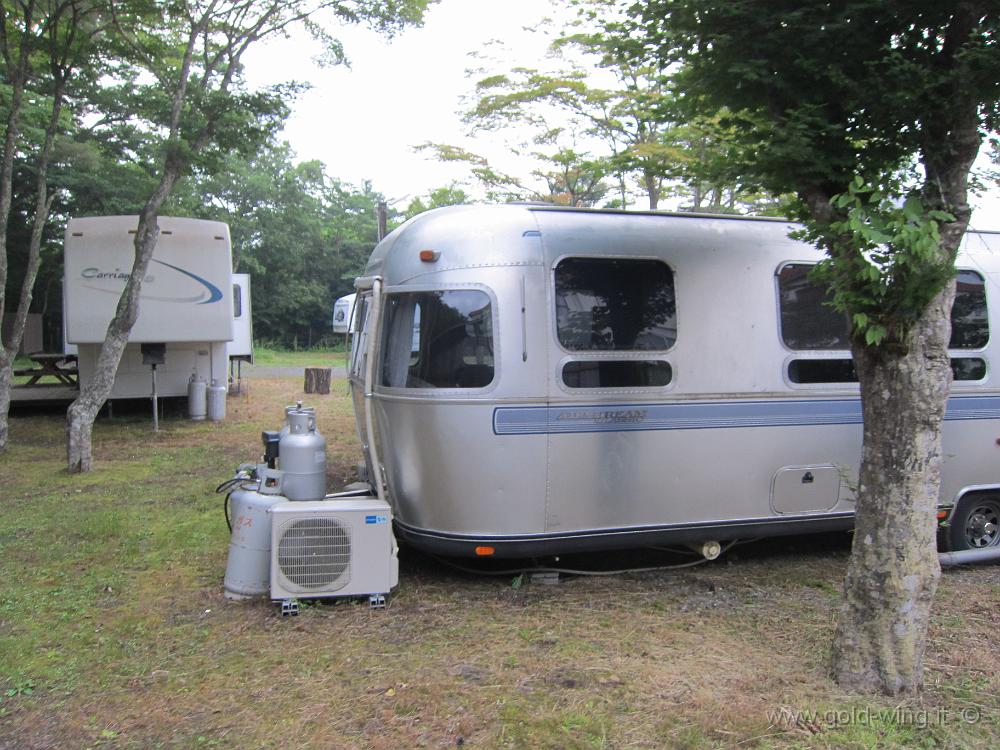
484, 551
942, 514
429, 256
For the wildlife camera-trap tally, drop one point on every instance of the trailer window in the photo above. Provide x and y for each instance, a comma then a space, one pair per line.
438, 340
615, 304
970, 327
237, 301
617, 374
808, 322
360, 337
813, 371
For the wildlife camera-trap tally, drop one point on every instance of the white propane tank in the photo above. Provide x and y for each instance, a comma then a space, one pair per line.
302, 457
248, 569
216, 401
197, 402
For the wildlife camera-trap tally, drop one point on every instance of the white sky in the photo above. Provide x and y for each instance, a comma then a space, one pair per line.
363, 122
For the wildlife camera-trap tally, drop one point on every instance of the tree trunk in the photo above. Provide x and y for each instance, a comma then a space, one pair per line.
81, 414
893, 571
43, 204
318, 379
6, 381
15, 75
652, 183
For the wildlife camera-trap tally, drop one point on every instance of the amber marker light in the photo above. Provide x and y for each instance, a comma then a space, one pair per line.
429, 256
484, 551
942, 514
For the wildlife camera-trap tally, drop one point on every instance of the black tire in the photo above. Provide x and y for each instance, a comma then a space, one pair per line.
976, 523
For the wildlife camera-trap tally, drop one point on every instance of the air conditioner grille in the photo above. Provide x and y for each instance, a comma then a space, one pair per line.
315, 553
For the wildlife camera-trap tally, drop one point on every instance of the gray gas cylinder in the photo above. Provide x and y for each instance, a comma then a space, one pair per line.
216, 401
297, 406
197, 406
302, 457
248, 570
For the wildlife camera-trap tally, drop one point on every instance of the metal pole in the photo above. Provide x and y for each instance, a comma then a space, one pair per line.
382, 214
156, 414
969, 556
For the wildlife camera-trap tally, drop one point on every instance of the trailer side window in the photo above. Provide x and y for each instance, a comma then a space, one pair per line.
237, 301
617, 374
438, 340
808, 322
807, 371
970, 328
615, 304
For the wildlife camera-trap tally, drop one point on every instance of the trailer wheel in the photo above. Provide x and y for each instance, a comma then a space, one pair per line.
976, 523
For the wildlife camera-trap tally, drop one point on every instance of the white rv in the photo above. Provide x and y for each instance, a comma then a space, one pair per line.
187, 306
533, 380
343, 311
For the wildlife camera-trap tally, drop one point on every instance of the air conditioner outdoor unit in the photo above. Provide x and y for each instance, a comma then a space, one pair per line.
333, 548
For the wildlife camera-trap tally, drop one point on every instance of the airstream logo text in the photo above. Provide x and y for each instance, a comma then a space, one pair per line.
631, 416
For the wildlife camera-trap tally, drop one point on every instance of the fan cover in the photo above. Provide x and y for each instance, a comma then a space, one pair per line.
315, 553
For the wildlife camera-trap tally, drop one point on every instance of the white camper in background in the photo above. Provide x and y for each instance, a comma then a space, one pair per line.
343, 311
186, 306
241, 347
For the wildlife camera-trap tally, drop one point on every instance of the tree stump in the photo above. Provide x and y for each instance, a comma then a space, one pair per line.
318, 379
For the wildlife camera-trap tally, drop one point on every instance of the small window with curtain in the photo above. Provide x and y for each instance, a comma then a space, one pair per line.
808, 321
615, 304
237, 301
438, 339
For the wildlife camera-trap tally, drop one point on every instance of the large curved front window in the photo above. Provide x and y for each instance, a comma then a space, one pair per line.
440, 339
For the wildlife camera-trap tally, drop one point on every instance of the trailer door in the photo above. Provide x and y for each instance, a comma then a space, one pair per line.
360, 373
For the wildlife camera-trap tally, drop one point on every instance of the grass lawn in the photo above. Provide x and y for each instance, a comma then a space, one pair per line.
303, 358
114, 632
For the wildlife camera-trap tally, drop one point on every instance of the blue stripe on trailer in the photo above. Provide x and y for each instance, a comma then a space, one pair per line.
550, 420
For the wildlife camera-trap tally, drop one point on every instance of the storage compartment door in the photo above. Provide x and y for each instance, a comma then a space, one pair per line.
805, 489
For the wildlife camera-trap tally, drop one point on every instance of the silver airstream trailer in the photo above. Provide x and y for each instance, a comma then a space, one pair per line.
530, 380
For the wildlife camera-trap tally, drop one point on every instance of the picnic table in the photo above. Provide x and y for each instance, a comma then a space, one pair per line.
62, 367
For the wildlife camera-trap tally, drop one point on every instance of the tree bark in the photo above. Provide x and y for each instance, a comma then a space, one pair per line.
652, 184
318, 379
43, 204
16, 72
893, 571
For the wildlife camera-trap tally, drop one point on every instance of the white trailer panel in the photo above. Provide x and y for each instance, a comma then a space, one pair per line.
241, 347
187, 292
186, 301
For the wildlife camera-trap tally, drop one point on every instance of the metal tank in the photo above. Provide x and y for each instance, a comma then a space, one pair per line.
248, 569
297, 406
302, 457
197, 401
216, 401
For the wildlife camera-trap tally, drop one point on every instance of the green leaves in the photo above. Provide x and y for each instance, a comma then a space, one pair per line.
886, 261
